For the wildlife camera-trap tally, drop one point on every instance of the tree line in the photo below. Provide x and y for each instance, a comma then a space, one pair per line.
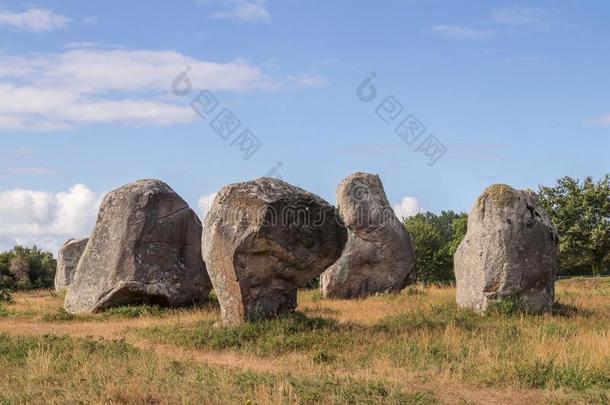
24, 268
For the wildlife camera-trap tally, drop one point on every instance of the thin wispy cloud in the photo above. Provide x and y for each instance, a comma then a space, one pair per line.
243, 10
518, 16
33, 19
501, 21
603, 120
30, 170
461, 33
49, 92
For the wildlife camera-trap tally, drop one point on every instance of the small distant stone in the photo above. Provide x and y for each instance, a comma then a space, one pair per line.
67, 260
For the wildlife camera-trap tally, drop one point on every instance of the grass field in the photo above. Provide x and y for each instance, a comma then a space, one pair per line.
413, 348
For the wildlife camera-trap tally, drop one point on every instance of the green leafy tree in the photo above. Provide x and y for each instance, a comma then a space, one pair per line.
436, 237
459, 225
19, 268
25, 268
580, 210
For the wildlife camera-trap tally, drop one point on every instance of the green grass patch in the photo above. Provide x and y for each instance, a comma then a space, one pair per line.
123, 312
51, 369
434, 318
290, 333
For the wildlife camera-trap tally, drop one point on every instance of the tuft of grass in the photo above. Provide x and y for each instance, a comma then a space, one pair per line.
59, 315
135, 311
5, 312
123, 312
508, 306
5, 295
434, 318
323, 357
543, 373
415, 289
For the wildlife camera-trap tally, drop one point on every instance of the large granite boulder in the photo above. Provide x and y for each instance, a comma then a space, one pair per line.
379, 255
145, 248
67, 259
510, 251
264, 239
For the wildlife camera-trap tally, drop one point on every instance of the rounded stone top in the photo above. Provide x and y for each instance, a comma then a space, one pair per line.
501, 194
144, 184
267, 189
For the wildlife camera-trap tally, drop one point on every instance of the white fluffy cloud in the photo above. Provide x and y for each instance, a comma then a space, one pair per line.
96, 85
33, 19
243, 10
204, 204
47, 219
408, 206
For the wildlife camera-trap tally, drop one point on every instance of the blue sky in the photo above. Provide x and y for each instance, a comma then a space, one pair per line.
515, 92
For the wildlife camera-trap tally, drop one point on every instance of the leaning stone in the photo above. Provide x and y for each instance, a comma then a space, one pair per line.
379, 256
264, 239
145, 248
510, 252
67, 260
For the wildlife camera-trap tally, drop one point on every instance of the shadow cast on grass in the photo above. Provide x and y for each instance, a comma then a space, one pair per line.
293, 332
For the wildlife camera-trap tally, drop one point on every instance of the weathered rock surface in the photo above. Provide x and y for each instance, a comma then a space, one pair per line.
264, 239
510, 251
379, 255
145, 248
67, 259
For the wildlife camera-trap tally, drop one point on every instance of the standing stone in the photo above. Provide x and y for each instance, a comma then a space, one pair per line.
145, 248
264, 239
510, 251
67, 260
379, 255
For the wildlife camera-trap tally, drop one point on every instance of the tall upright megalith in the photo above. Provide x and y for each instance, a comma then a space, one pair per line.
145, 248
379, 255
264, 239
510, 251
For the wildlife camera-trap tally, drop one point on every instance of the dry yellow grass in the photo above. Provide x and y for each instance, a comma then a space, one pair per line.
414, 347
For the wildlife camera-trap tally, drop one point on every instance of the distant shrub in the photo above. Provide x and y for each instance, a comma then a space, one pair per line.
27, 268
5, 295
